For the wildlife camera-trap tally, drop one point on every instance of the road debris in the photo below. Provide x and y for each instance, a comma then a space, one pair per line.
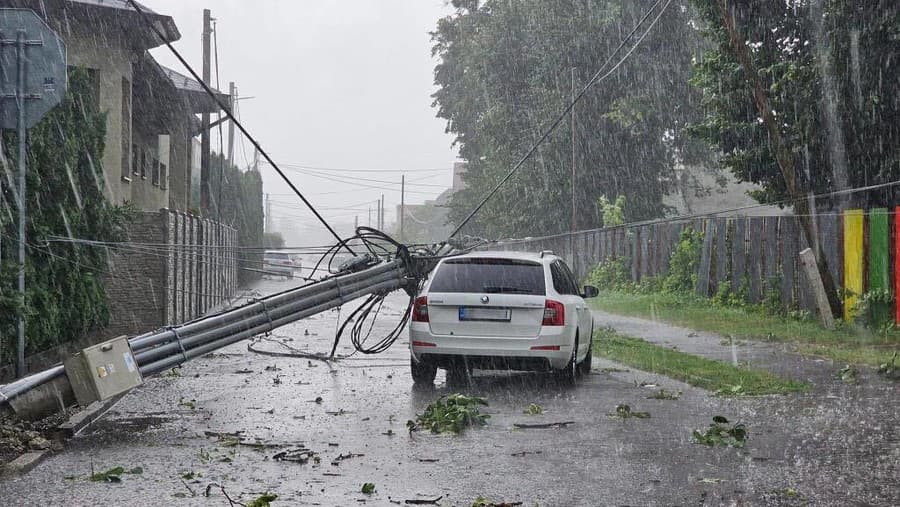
534, 409
525, 426
482, 502
451, 414
624, 411
424, 501
368, 488
114, 474
341, 457
300, 455
525, 453
663, 394
720, 433
847, 374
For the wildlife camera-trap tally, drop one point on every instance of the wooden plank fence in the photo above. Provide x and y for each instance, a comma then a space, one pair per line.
756, 254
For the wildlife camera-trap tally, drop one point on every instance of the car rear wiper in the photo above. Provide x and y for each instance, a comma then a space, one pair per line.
501, 290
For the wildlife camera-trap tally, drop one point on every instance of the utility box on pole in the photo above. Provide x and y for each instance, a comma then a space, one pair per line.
102, 371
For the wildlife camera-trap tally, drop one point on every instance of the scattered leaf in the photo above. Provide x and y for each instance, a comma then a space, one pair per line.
368, 488
624, 411
450, 414
662, 394
534, 409
721, 433
263, 500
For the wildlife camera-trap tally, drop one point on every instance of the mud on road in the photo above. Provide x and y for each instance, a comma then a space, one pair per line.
223, 419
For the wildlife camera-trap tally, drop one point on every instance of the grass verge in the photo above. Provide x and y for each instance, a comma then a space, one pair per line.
846, 344
715, 376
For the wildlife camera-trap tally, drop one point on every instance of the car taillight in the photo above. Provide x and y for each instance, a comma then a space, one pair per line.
420, 309
554, 313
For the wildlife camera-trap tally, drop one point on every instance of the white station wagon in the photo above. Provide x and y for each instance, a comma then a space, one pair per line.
501, 310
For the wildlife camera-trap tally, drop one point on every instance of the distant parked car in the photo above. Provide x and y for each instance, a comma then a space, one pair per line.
296, 260
501, 310
278, 263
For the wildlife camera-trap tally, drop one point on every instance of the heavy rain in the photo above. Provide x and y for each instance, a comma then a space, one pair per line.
450, 252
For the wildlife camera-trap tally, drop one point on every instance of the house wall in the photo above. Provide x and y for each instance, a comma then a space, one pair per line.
180, 168
112, 63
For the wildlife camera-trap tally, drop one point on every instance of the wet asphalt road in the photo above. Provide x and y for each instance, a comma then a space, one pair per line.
830, 447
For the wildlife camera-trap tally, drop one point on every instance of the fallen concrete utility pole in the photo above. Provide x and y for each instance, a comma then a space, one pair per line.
48, 391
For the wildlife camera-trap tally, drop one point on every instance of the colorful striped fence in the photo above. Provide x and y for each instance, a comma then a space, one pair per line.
759, 255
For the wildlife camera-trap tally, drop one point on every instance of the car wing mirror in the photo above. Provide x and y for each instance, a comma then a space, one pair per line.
590, 291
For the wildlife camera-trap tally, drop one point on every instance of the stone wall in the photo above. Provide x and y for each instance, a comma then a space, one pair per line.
175, 268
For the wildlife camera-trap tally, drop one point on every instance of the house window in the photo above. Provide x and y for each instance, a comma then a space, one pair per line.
144, 163
135, 160
163, 176
126, 130
154, 171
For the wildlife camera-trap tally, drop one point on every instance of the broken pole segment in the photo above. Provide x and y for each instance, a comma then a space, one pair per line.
810, 269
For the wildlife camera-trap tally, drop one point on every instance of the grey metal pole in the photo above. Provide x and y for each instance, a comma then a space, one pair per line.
573, 224
402, 202
20, 102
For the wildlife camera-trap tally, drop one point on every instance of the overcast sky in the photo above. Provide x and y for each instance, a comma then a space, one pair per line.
341, 84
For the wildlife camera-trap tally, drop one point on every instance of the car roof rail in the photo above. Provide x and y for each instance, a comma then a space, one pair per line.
546, 252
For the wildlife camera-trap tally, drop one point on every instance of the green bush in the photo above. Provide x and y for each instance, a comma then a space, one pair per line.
872, 310
683, 264
611, 274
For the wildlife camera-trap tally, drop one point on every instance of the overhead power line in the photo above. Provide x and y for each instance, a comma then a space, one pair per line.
598, 76
237, 123
374, 171
681, 218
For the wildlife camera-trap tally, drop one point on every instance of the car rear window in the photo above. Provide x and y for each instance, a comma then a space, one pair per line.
489, 275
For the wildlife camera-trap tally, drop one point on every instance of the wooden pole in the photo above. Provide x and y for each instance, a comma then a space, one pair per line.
204, 118
808, 261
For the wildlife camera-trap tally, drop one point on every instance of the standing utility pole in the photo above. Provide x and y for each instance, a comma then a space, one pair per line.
573, 223
381, 213
268, 227
232, 92
20, 103
204, 118
370, 216
402, 203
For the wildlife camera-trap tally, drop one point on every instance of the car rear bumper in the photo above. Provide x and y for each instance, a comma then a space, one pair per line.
491, 352
287, 270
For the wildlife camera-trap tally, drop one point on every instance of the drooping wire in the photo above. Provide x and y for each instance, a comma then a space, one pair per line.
236, 122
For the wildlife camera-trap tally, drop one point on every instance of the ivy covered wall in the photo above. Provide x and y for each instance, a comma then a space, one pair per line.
65, 297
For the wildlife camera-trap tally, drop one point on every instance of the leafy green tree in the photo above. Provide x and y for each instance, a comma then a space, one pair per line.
65, 197
612, 213
505, 72
831, 71
237, 200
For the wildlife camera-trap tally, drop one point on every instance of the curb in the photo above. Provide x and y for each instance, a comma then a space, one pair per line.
23, 464
83, 419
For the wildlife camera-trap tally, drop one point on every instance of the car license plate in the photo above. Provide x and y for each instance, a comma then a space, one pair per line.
484, 314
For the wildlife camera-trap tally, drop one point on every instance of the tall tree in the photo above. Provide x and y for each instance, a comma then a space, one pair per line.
832, 81
505, 73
